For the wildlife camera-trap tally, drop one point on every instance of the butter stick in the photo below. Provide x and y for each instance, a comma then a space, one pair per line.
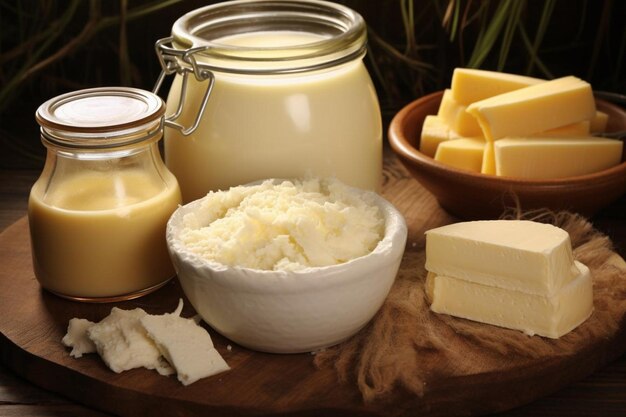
551, 158
464, 153
534, 109
470, 85
434, 132
455, 116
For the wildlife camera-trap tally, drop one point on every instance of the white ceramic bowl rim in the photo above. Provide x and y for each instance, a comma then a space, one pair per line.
388, 250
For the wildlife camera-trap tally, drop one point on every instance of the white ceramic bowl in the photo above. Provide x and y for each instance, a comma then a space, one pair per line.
290, 311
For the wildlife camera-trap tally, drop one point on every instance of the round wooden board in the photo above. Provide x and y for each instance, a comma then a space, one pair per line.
32, 323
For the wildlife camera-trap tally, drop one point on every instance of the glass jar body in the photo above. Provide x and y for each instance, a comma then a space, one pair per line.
286, 94
97, 220
324, 123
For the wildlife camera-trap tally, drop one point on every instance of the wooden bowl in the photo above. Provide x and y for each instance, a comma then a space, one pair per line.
469, 195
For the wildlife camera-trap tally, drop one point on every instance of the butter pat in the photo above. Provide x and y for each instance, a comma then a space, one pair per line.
550, 158
464, 153
455, 116
524, 256
548, 316
470, 85
535, 109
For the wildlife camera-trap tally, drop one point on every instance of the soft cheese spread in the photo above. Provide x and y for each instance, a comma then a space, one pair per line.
286, 225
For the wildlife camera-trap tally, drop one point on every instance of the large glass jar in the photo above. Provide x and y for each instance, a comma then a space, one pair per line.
282, 92
98, 211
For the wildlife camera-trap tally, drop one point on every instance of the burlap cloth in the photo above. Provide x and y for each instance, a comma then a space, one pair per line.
394, 351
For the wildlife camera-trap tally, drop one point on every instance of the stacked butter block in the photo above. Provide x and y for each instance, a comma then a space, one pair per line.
511, 125
515, 274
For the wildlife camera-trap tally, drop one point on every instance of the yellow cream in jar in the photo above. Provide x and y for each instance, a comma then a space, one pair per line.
102, 234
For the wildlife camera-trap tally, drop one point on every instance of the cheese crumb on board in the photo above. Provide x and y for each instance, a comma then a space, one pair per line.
77, 338
516, 274
288, 225
128, 339
123, 343
185, 345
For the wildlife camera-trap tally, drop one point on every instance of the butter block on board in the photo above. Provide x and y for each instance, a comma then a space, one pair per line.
434, 131
465, 153
534, 109
470, 85
549, 316
455, 116
540, 158
518, 255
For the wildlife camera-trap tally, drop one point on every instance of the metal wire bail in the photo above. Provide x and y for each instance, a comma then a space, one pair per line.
182, 61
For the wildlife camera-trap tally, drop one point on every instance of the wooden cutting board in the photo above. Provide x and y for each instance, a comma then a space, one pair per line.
32, 323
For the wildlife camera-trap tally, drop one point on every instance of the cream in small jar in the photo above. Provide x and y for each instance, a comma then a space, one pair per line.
98, 212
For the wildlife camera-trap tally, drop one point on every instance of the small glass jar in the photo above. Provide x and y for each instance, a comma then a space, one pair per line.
98, 212
270, 89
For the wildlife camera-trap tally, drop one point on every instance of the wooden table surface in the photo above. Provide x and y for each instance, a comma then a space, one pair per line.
601, 394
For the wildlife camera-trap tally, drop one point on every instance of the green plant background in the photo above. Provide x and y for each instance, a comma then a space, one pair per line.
48, 47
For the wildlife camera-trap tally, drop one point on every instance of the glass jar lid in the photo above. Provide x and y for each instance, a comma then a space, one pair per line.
102, 117
306, 35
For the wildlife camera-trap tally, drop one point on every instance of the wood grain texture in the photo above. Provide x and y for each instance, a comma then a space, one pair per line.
32, 323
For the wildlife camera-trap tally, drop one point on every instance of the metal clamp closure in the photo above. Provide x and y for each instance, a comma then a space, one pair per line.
182, 61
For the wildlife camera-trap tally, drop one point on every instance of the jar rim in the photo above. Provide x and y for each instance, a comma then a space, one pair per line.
102, 117
340, 35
